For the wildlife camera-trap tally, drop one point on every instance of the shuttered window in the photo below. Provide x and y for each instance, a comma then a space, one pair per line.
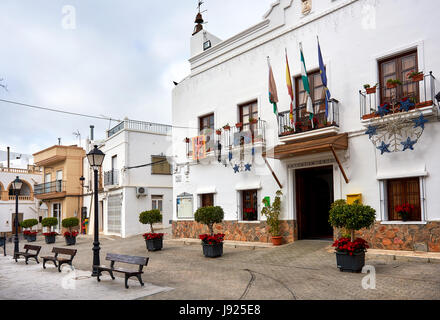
160, 165
114, 214
402, 191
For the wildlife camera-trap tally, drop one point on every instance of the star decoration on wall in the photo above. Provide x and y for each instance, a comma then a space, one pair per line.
406, 105
372, 131
384, 148
420, 122
408, 144
236, 169
248, 167
383, 110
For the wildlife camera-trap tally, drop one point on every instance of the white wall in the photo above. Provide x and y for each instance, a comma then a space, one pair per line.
353, 36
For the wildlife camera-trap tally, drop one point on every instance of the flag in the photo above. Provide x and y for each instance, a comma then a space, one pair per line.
305, 79
324, 79
273, 95
290, 90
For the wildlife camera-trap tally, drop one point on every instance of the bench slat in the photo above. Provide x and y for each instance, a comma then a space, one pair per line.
127, 259
69, 252
31, 247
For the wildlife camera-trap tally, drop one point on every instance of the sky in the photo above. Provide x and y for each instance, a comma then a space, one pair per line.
112, 58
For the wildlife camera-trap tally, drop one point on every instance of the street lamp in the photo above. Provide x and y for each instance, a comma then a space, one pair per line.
96, 157
16, 187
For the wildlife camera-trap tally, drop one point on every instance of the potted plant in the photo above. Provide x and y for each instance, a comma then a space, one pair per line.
239, 125
154, 241
29, 235
187, 140
404, 211
350, 252
369, 89
218, 131
416, 76
272, 212
70, 235
212, 243
392, 83
227, 127
253, 120
49, 223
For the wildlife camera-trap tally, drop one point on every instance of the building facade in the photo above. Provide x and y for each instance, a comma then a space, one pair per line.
60, 191
377, 146
129, 184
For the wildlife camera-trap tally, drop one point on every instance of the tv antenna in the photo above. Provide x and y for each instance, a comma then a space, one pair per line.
78, 135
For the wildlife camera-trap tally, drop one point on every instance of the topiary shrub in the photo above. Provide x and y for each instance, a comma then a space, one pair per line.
70, 223
351, 217
209, 216
150, 217
272, 212
49, 222
29, 223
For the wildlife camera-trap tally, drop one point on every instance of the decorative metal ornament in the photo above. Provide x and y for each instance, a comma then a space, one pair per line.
397, 132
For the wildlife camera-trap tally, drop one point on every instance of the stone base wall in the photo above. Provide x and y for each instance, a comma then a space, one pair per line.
422, 237
252, 232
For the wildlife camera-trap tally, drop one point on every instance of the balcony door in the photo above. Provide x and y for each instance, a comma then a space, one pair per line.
317, 93
47, 181
56, 213
59, 181
114, 168
207, 129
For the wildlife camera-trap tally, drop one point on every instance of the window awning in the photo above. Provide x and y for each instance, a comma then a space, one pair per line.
299, 148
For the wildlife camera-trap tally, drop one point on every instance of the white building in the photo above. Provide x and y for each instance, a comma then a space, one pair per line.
28, 205
362, 41
129, 184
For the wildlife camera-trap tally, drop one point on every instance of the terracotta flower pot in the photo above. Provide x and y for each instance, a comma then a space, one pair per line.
418, 77
277, 241
371, 90
391, 85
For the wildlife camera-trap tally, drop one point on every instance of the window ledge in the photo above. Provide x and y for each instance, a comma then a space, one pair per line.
251, 222
404, 223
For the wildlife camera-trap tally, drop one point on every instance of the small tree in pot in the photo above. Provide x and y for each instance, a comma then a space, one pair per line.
30, 236
153, 240
49, 223
272, 212
70, 236
350, 252
212, 243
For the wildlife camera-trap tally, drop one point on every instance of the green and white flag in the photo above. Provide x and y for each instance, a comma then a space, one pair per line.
305, 79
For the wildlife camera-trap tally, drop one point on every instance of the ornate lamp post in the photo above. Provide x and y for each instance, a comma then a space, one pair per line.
16, 187
96, 157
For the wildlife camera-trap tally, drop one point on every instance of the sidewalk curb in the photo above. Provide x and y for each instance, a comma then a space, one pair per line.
226, 243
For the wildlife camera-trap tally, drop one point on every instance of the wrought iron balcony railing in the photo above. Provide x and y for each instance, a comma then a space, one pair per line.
410, 95
50, 187
111, 178
140, 126
302, 121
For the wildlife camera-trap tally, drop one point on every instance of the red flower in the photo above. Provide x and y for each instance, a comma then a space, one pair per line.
208, 239
48, 234
345, 245
73, 234
151, 236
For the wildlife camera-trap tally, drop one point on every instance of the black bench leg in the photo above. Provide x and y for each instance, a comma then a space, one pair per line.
44, 264
126, 281
36, 259
140, 280
97, 277
111, 275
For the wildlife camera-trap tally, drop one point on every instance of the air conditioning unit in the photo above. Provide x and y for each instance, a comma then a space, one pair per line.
141, 192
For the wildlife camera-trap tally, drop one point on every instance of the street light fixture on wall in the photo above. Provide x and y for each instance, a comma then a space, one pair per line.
16, 187
96, 157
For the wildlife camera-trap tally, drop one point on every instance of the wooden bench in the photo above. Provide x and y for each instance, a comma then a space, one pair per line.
27, 255
61, 261
140, 261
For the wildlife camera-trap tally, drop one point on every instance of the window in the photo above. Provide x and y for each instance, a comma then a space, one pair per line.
317, 93
156, 202
114, 213
207, 200
207, 129
398, 68
248, 111
160, 165
59, 182
249, 205
56, 213
401, 191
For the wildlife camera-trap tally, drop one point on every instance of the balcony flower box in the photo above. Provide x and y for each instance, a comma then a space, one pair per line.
253, 121
369, 116
227, 127
391, 84
416, 76
239, 125
424, 104
371, 90
219, 132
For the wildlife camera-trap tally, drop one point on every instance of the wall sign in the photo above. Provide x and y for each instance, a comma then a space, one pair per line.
184, 205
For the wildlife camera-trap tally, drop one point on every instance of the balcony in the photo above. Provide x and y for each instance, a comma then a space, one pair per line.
303, 125
148, 127
410, 96
213, 143
54, 189
111, 178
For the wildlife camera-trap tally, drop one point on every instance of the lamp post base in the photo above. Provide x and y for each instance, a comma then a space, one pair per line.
96, 260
